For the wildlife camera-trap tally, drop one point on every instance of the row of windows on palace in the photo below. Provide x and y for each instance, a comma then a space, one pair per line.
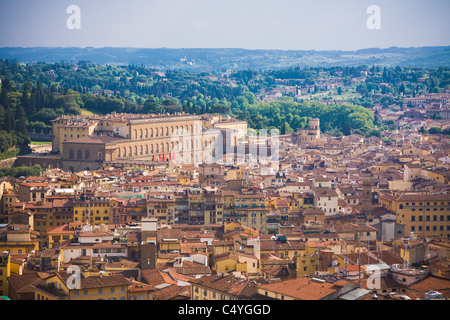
146, 133
141, 150
421, 203
428, 228
428, 218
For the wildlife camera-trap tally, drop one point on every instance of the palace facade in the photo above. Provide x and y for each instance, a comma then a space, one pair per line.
87, 143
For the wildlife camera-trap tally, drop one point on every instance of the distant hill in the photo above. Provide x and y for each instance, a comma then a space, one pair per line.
201, 60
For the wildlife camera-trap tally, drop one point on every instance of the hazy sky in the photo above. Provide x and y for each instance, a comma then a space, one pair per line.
249, 24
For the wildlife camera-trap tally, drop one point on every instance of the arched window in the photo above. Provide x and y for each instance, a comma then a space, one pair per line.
146, 132
130, 151
156, 132
135, 150
79, 155
135, 133
124, 151
87, 155
167, 131
71, 156
162, 131
401, 206
140, 133
141, 150
162, 147
157, 148
151, 149
146, 149
151, 132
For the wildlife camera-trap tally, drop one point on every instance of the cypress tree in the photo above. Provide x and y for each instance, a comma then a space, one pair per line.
21, 119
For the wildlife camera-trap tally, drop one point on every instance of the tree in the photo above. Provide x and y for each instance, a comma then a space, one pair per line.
25, 100
151, 106
21, 125
346, 129
10, 123
220, 108
435, 130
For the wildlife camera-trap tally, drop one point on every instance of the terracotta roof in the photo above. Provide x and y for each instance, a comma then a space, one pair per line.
304, 288
97, 281
267, 245
136, 286
431, 283
152, 277
172, 292
242, 288
24, 283
351, 227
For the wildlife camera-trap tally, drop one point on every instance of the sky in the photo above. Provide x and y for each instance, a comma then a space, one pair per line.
248, 24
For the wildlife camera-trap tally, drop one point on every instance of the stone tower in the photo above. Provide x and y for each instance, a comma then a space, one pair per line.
314, 128
310, 134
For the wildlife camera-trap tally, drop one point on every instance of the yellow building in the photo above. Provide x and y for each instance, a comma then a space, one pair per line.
19, 239
161, 207
46, 215
295, 202
282, 248
57, 235
68, 182
239, 262
413, 151
169, 240
91, 209
227, 263
219, 247
308, 263
424, 214
234, 174
66, 130
237, 226
441, 177
5, 272
65, 286
9, 197
184, 180
248, 209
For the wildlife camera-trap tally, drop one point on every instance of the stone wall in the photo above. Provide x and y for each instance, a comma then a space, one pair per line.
7, 163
